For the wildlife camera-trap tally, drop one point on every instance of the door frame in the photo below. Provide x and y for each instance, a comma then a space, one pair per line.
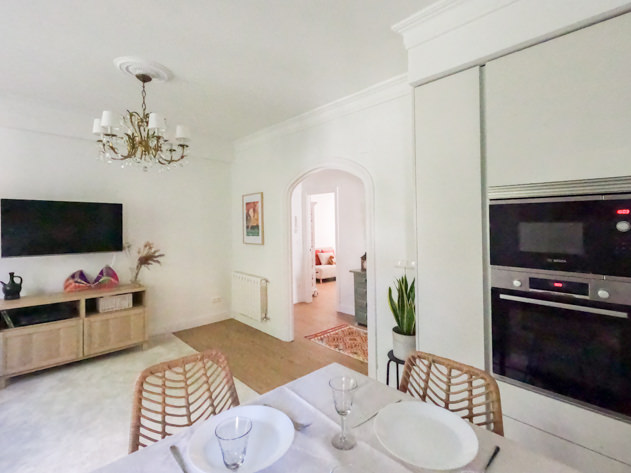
358, 171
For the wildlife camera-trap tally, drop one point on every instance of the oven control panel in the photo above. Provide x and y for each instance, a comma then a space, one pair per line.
559, 285
583, 286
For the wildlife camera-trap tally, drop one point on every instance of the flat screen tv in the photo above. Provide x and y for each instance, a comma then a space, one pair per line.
45, 227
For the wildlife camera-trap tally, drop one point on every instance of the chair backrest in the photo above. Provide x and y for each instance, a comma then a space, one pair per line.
177, 393
471, 393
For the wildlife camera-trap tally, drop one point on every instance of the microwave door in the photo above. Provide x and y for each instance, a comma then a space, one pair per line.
548, 236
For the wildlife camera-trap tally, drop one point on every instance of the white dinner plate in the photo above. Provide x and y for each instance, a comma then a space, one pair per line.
271, 436
426, 435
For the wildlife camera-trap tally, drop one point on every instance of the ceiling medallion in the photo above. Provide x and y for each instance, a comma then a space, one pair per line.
140, 138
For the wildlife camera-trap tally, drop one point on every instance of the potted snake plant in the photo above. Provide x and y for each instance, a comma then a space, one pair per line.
403, 308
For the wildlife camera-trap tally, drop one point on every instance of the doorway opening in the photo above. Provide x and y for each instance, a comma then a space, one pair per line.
328, 213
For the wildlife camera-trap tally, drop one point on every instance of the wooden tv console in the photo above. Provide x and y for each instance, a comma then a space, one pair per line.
84, 334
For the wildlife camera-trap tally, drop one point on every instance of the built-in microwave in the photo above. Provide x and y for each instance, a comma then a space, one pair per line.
578, 234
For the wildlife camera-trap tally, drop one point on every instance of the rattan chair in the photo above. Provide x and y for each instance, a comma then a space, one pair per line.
177, 393
469, 392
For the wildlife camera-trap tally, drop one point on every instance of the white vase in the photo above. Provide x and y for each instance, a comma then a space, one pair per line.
402, 345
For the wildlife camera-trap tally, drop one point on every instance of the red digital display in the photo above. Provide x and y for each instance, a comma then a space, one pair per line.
557, 284
623, 211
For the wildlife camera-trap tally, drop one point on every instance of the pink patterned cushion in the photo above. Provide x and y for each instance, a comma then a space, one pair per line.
78, 281
106, 279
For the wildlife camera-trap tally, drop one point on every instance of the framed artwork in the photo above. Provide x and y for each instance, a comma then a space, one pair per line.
253, 218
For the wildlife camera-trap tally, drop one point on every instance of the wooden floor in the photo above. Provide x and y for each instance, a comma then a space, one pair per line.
264, 362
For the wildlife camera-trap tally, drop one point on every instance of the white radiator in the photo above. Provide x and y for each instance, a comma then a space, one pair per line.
249, 295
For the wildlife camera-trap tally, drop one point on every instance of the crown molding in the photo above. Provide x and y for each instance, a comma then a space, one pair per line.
452, 35
385, 91
444, 16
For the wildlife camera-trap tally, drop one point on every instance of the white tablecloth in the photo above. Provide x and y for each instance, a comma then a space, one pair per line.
309, 399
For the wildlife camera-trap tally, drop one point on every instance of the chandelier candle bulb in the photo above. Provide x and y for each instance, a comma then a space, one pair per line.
106, 119
154, 120
96, 127
182, 133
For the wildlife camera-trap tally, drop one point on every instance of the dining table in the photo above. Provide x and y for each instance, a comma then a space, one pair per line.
308, 400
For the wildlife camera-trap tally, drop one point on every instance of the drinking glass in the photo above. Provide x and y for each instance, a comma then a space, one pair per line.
233, 435
344, 388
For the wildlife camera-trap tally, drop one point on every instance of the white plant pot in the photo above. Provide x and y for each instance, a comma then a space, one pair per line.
402, 345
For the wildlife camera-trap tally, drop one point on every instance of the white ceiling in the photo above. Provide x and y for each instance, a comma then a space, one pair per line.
239, 65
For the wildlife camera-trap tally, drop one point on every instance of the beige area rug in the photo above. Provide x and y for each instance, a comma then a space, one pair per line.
347, 339
75, 418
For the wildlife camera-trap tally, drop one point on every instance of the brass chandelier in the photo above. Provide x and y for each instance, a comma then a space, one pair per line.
140, 138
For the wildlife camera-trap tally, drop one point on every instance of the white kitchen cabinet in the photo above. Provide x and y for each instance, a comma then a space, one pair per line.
449, 218
561, 110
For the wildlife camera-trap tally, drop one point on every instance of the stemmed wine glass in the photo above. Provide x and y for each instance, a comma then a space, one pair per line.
344, 388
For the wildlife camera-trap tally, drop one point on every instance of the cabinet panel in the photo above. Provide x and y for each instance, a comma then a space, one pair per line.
30, 348
449, 218
107, 332
360, 299
561, 110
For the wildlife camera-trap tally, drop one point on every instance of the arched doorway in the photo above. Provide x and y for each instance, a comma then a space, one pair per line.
351, 188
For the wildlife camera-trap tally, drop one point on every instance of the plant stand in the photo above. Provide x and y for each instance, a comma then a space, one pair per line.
397, 362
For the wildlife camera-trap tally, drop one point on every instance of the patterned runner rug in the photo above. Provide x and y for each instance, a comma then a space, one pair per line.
346, 339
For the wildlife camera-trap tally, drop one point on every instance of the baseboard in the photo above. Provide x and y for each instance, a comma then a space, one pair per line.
187, 323
346, 309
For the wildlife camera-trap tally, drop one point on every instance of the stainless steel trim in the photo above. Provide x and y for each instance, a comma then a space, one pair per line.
539, 200
568, 275
578, 296
560, 305
572, 198
547, 273
559, 188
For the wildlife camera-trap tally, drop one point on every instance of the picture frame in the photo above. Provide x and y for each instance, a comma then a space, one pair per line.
252, 215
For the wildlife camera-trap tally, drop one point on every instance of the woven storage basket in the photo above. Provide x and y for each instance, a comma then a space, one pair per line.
109, 303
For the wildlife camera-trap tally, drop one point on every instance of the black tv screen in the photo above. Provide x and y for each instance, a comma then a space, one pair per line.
45, 227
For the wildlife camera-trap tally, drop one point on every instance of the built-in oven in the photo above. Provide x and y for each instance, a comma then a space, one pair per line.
577, 234
564, 335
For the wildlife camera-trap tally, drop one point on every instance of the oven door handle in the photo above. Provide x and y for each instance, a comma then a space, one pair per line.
561, 305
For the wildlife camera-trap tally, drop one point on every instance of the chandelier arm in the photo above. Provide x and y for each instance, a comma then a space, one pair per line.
107, 145
171, 159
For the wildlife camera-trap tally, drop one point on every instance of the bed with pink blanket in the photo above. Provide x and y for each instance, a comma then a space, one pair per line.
325, 263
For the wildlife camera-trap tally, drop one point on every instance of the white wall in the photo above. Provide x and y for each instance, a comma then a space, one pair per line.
47, 156
324, 220
369, 134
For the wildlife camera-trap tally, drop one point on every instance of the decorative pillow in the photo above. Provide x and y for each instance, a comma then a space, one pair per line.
325, 249
78, 281
332, 259
324, 257
106, 279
